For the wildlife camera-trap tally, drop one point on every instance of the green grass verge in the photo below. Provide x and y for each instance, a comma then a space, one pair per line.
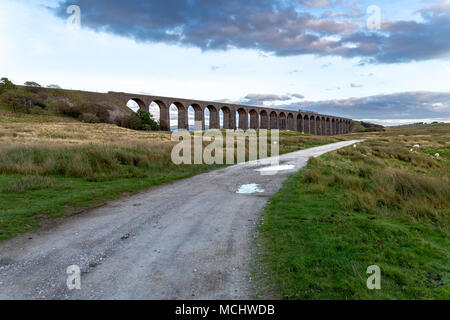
23, 209
378, 204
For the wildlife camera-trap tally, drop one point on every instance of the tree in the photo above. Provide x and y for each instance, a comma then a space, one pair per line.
32, 84
5, 85
147, 120
14, 99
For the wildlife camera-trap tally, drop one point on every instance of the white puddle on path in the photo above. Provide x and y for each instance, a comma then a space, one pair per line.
249, 188
276, 168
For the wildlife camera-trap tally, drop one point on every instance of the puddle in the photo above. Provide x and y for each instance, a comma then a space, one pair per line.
249, 188
277, 168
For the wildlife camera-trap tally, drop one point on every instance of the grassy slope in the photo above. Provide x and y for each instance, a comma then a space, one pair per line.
78, 97
50, 167
377, 204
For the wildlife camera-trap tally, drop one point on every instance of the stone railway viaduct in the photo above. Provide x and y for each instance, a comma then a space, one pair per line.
260, 117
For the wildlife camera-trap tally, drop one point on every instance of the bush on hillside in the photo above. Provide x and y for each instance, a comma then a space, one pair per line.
141, 120
371, 127
131, 121
90, 118
100, 111
36, 110
147, 120
14, 99
64, 108
87, 112
5, 85
32, 84
37, 101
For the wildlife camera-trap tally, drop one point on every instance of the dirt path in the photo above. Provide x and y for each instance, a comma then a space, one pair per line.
185, 240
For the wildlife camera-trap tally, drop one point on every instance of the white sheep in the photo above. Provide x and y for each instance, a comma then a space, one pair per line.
414, 147
436, 155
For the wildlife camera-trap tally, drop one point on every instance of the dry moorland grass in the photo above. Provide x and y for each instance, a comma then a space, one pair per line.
70, 133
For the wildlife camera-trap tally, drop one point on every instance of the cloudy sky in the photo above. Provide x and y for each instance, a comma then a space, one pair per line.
386, 62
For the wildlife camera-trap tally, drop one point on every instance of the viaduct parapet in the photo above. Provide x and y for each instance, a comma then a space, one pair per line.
249, 117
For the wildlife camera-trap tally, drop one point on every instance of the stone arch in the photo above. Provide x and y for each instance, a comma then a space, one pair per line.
282, 121
273, 120
300, 127
306, 124
333, 126
264, 122
328, 126
225, 117
290, 122
254, 119
196, 117
243, 118
181, 115
318, 125
135, 104
213, 118
312, 125
323, 126
163, 117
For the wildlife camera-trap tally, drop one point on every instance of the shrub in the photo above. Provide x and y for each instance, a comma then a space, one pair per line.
37, 100
5, 85
64, 108
131, 121
14, 99
147, 120
32, 84
90, 118
60, 106
36, 110
100, 111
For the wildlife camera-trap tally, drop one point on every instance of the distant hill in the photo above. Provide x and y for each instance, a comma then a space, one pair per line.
361, 126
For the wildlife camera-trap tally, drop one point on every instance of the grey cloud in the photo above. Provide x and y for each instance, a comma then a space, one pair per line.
406, 105
258, 98
394, 108
283, 28
298, 95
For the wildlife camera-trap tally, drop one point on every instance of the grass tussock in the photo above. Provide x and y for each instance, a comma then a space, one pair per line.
91, 162
27, 183
379, 187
